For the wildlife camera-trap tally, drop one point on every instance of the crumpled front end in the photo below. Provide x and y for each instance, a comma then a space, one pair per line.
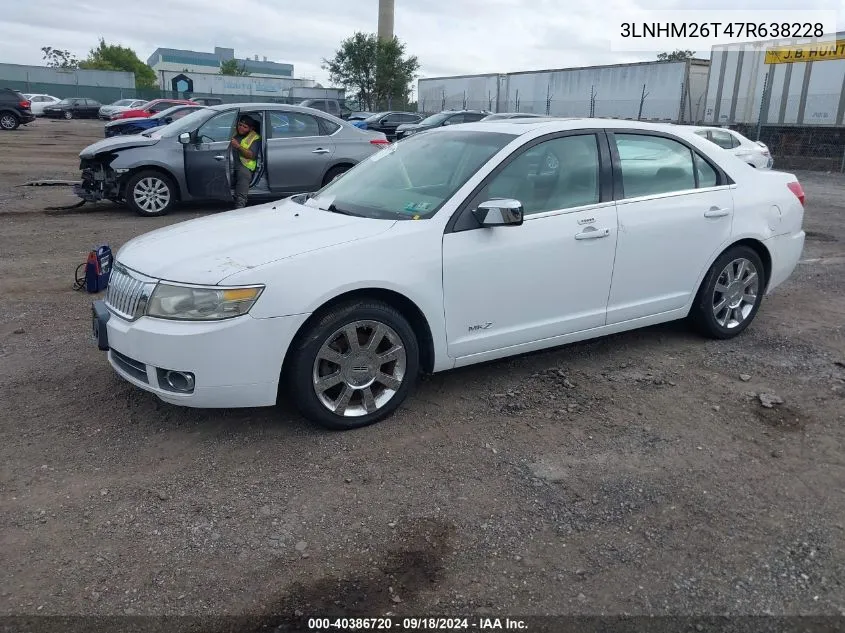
99, 180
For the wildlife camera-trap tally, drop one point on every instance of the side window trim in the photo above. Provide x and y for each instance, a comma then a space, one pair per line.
606, 192
723, 180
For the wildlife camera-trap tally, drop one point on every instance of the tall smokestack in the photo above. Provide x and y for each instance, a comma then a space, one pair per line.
385, 19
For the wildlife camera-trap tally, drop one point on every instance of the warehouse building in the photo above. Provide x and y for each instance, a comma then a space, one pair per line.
178, 60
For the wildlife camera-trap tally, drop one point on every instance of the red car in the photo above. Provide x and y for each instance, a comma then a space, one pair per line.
150, 108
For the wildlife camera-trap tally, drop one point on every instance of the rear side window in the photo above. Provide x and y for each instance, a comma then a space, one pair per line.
724, 139
652, 165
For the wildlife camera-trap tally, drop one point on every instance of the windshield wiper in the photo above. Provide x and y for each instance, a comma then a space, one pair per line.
334, 209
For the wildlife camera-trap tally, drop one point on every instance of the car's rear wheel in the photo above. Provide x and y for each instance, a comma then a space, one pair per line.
355, 366
335, 172
9, 121
730, 294
150, 193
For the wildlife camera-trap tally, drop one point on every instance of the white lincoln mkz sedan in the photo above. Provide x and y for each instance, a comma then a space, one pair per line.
461, 245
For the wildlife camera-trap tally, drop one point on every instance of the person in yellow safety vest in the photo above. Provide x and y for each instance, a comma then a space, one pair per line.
246, 144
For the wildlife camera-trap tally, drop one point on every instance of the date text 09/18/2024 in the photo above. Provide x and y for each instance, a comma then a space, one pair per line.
416, 624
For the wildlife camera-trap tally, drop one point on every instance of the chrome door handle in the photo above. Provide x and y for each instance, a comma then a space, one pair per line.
219, 157
716, 212
320, 150
592, 234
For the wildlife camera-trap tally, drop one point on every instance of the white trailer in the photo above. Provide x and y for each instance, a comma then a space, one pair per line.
652, 91
795, 82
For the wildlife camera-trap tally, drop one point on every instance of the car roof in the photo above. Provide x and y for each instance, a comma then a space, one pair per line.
518, 127
220, 107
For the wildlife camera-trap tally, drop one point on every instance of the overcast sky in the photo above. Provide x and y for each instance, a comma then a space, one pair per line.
448, 36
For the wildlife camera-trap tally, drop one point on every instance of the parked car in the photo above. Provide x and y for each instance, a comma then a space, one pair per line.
512, 115
39, 101
121, 105
15, 109
387, 122
191, 159
358, 116
462, 245
755, 153
206, 101
447, 117
150, 108
123, 127
331, 106
73, 108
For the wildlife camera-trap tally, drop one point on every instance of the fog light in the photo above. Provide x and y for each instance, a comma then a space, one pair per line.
178, 381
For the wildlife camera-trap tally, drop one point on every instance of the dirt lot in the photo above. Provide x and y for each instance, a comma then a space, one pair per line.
636, 474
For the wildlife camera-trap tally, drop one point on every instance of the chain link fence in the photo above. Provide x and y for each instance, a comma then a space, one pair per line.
110, 94
800, 147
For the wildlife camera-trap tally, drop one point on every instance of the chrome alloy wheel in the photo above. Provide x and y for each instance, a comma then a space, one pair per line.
8, 122
359, 368
735, 293
151, 194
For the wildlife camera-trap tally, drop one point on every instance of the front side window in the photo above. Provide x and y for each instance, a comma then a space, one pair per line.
652, 165
561, 173
218, 128
411, 179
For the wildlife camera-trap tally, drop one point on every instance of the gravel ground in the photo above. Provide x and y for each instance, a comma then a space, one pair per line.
636, 474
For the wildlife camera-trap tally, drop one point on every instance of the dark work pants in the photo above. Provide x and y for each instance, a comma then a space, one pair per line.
242, 178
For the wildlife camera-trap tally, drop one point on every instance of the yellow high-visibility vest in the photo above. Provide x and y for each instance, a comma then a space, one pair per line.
246, 141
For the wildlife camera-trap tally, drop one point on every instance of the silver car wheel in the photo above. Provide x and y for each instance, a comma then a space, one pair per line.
359, 368
735, 293
68, 114
8, 122
151, 194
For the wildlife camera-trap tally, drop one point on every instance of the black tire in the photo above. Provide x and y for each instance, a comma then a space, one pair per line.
9, 121
149, 175
299, 374
703, 314
334, 172
68, 115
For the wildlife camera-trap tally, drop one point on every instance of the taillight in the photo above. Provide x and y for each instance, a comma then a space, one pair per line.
796, 188
25, 105
379, 141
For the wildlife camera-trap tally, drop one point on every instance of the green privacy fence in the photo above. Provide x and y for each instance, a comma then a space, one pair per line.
110, 94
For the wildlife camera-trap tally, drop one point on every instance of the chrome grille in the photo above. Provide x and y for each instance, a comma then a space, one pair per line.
128, 292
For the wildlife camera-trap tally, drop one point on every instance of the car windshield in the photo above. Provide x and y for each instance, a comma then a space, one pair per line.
436, 118
187, 123
124, 102
411, 179
170, 112
65, 101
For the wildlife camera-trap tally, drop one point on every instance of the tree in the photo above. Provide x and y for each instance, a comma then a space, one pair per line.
675, 56
57, 58
116, 57
377, 72
230, 67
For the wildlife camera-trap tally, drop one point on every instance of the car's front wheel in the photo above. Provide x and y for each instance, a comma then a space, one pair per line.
354, 366
8, 121
150, 193
730, 294
68, 115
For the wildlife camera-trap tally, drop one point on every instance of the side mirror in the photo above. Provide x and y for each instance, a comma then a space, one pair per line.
185, 138
504, 212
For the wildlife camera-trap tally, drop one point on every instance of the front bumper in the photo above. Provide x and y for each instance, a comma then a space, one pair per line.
235, 363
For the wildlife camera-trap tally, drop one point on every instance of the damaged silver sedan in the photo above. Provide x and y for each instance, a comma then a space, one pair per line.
301, 150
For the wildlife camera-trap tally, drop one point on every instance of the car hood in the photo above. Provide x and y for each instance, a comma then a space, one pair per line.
115, 143
123, 121
210, 249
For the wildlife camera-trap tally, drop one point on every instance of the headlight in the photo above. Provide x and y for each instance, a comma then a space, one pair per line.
192, 303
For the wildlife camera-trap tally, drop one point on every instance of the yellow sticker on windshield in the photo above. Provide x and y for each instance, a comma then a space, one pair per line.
416, 217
